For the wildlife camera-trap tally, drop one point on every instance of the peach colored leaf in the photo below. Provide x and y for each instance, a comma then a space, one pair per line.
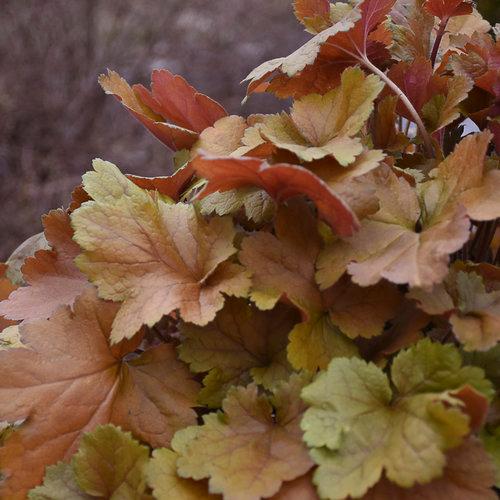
69, 380
388, 245
52, 277
241, 344
223, 138
283, 264
301, 488
154, 256
161, 475
363, 312
252, 448
281, 181
468, 474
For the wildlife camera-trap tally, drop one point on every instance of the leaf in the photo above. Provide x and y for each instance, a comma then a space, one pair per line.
491, 441
161, 474
474, 312
10, 338
259, 207
442, 110
249, 450
444, 9
282, 181
468, 474
59, 484
456, 177
363, 312
173, 111
316, 66
52, 277
313, 14
6, 288
383, 126
364, 427
301, 488
26, 249
69, 380
388, 245
109, 463
320, 126
242, 343
314, 343
283, 264
223, 138
160, 256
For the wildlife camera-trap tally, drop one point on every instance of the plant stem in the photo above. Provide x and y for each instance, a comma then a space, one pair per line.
409, 106
437, 41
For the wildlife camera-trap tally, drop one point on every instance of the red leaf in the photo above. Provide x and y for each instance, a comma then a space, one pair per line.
179, 103
281, 181
311, 8
444, 9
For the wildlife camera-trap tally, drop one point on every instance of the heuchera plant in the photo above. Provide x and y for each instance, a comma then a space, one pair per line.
309, 307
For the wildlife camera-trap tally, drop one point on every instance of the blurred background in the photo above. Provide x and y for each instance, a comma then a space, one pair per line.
54, 118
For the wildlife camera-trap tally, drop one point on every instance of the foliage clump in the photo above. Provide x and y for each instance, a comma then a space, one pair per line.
309, 307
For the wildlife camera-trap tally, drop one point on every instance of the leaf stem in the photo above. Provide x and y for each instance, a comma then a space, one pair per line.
409, 106
437, 41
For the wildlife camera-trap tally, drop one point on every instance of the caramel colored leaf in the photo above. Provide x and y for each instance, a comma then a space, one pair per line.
359, 425
154, 256
161, 474
388, 245
283, 264
281, 181
314, 343
468, 474
109, 463
68, 380
363, 312
52, 277
241, 343
250, 449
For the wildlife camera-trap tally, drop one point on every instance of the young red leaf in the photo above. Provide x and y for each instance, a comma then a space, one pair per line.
444, 9
316, 66
69, 380
281, 181
173, 111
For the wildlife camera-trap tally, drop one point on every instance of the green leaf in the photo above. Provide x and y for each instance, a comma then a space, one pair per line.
110, 463
59, 484
359, 425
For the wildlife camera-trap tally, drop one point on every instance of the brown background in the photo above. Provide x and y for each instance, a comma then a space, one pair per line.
54, 118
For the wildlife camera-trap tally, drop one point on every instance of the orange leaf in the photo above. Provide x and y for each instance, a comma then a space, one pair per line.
53, 278
281, 181
68, 380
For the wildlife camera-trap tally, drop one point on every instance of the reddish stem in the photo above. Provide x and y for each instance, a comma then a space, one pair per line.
437, 41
